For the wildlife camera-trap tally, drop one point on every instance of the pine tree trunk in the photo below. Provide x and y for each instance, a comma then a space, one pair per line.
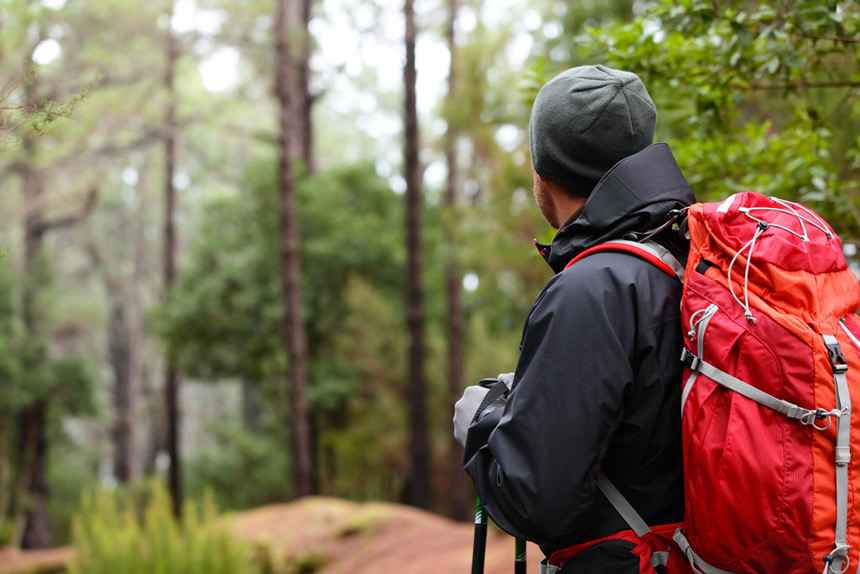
419, 480
135, 351
31, 499
293, 329
120, 359
458, 481
171, 384
304, 108
37, 532
124, 342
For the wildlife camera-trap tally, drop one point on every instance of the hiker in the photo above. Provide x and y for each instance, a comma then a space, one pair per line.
597, 383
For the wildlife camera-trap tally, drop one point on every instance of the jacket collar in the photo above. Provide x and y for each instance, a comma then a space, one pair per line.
635, 196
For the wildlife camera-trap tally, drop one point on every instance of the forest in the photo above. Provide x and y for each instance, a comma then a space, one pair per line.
254, 250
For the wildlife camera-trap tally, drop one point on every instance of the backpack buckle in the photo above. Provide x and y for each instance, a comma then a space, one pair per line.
837, 361
689, 359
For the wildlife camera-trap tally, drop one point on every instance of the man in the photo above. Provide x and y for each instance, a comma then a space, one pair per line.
597, 385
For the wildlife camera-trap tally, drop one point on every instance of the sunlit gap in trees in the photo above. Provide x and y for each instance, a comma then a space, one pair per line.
47, 51
471, 281
219, 69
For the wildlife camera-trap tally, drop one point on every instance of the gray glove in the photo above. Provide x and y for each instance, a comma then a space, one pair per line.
466, 408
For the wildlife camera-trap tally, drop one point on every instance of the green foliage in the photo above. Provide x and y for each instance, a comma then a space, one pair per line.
307, 562
223, 319
364, 447
26, 373
224, 316
753, 96
110, 536
70, 476
17, 118
245, 470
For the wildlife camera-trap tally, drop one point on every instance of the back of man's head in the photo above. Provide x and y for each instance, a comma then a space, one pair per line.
584, 121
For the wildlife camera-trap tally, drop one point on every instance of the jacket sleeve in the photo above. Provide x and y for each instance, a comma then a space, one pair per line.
535, 462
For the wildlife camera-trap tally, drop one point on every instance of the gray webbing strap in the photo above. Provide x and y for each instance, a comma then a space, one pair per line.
696, 562
624, 508
786, 408
659, 559
659, 252
630, 516
547, 568
843, 451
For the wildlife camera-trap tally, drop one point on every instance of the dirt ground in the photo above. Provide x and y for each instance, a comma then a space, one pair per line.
379, 538
333, 536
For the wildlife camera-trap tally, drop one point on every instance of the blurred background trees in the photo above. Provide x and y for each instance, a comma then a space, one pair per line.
148, 149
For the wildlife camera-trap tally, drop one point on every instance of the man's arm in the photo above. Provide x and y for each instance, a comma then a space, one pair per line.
535, 463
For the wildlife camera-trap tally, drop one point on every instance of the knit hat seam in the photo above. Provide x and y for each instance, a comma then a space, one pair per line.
629, 117
603, 109
646, 101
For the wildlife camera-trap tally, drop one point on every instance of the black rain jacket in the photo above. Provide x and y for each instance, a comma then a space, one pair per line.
598, 382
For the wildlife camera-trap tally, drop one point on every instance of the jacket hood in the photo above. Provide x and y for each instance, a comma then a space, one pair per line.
634, 196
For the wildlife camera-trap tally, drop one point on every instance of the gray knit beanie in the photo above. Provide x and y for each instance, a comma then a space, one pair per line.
584, 121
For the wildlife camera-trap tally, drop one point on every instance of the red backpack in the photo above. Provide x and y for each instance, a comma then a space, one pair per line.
771, 447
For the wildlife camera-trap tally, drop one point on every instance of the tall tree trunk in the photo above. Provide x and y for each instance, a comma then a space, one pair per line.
135, 350
31, 501
30, 498
304, 106
459, 484
119, 353
37, 532
171, 384
30, 446
419, 481
293, 329
124, 340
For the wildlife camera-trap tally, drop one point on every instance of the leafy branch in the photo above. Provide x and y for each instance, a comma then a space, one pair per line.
39, 115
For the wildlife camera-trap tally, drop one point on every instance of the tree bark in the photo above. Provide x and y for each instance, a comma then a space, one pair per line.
304, 108
119, 351
124, 341
419, 481
171, 384
29, 440
37, 532
31, 501
458, 481
293, 329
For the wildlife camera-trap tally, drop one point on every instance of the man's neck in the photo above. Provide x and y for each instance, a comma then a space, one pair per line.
573, 216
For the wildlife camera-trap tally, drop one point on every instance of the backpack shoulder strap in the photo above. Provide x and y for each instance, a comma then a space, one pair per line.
649, 250
622, 506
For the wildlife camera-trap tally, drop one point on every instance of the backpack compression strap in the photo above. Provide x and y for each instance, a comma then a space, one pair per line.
649, 250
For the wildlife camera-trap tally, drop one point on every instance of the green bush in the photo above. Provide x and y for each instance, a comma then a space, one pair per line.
110, 536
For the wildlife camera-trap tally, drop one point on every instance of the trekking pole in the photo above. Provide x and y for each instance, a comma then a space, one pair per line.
520, 556
479, 548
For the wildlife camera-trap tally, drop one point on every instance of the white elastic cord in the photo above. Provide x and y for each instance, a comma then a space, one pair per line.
822, 225
693, 323
746, 302
746, 211
701, 325
791, 208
